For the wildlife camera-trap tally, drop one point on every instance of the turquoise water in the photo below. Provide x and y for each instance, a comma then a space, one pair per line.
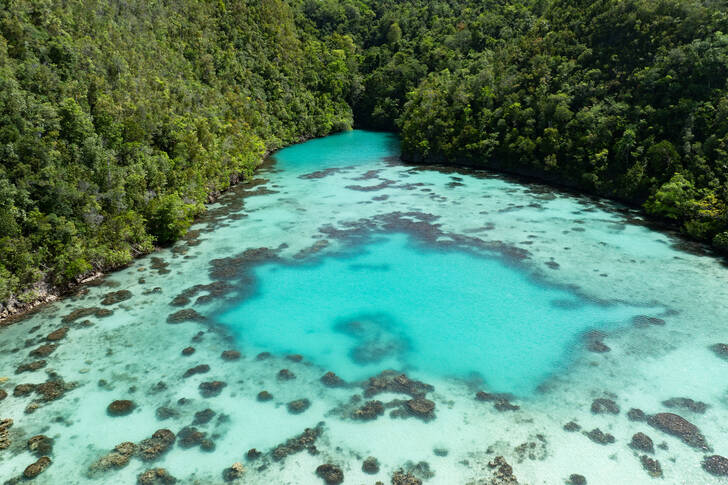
393, 303
340, 258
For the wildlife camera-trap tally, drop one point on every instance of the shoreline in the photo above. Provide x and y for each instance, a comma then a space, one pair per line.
14, 310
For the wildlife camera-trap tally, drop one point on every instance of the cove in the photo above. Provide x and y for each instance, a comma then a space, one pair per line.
395, 303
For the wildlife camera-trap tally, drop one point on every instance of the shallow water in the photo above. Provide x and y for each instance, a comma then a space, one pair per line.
463, 280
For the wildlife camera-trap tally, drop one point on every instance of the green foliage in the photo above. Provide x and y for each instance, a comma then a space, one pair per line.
117, 119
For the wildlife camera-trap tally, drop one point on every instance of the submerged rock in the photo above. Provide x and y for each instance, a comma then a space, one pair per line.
571, 427
198, 369
230, 355
598, 436
391, 381
188, 351
332, 380
716, 465
264, 396
187, 315
211, 388
331, 474
190, 436
37, 468
253, 454
3, 394
642, 442
294, 357
721, 350
116, 297
156, 476
57, 334
678, 426
153, 448
635, 414
576, 479
40, 445
31, 366
43, 350
23, 390
370, 466
164, 412
369, 411
51, 390
401, 478
304, 441
121, 407
686, 403
203, 417
651, 466
298, 406
285, 375
645, 321
603, 405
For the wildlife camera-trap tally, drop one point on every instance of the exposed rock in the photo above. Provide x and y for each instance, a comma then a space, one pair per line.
190, 436
152, 448
230, 355
285, 375
636, 415
503, 474
571, 427
31, 366
187, 315
203, 417
198, 369
116, 297
642, 442
401, 478
678, 426
332, 380
391, 381
211, 388
51, 390
118, 458
121, 407
57, 334
686, 403
298, 406
370, 465
235, 472
576, 479
264, 396
422, 408
156, 476
331, 474
37, 468
5, 426
304, 441
716, 465
40, 445
370, 410
43, 350
188, 351
652, 466
598, 436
